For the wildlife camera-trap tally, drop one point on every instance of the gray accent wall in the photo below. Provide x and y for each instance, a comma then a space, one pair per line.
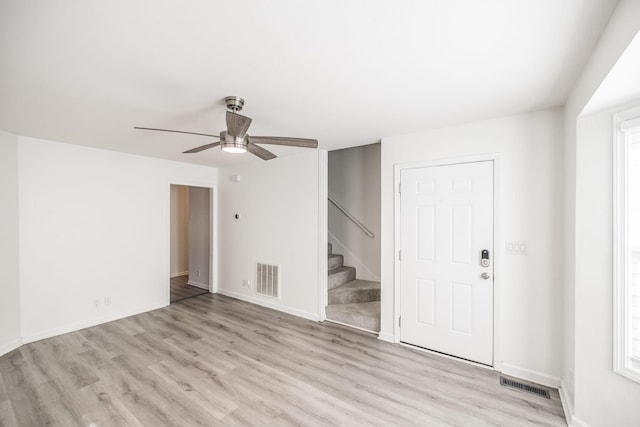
179, 230
354, 182
199, 236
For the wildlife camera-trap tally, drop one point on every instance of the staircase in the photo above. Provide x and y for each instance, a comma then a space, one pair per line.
352, 301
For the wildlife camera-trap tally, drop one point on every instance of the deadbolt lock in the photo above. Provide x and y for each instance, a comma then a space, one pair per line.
484, 258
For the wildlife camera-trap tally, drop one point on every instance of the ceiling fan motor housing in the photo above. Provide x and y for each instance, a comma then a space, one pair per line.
232, 144
234, 103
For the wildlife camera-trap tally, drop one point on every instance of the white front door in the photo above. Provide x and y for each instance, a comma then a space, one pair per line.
446, 292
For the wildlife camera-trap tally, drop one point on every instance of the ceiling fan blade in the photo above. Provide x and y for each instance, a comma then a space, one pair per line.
237, 125
177, 131
260, 152
202, 148
280, 140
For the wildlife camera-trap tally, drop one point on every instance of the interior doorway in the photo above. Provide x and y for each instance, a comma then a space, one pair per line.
354, 228
190, 241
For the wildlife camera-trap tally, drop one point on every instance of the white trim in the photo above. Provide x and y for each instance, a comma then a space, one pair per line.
621, 351
369, 331
269, 303
387, 337
497, 240
397, 169
72, 327
198, 285
213, 240
577, 422
182, 273
567, 406
10, 346
631, 121
323, 230
530, 375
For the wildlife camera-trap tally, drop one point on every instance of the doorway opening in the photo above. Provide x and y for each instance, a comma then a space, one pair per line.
353, 216
190, 242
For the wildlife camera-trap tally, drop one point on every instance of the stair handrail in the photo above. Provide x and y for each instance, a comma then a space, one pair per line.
352, 218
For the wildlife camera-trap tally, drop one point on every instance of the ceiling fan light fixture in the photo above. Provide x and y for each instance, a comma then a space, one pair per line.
234, 149
235, 139
232, 144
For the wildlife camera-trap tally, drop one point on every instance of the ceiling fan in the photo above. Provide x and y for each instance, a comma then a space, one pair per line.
235, 138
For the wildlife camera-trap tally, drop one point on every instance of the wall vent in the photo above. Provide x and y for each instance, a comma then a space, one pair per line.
525, 387
268, 279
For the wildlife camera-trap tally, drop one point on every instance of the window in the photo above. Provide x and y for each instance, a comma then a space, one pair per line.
626, 241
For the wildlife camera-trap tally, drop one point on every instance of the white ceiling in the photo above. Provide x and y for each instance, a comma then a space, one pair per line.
345, 72
622, 83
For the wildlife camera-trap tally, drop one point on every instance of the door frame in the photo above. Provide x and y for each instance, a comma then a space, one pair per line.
323, 233
497, 240
213, 234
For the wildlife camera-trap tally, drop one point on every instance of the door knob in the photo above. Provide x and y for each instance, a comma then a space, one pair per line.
485, 276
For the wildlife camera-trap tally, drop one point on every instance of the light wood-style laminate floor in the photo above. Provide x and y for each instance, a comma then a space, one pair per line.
181, 290
213, 360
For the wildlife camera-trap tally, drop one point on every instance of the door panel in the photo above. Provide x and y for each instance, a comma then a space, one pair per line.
426, 232
446, 221
425, 298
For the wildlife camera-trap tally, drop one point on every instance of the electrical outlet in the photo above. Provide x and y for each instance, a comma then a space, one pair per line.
198, 273
246, 283
107, 300
96, 303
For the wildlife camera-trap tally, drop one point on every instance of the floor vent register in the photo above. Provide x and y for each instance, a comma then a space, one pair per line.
525, 387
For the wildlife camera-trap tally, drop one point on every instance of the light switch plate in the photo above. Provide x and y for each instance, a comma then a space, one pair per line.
516, 248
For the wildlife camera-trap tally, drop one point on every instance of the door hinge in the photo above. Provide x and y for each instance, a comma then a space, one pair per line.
400, 188
400, 255
399, 321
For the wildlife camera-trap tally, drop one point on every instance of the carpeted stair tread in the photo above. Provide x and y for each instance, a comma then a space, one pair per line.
365, 315
355, 291
340, 276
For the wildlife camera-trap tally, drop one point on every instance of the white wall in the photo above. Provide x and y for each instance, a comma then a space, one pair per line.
9, 244
602, 397
199, 236
93, 224
354, 182
279, 220
530, 146
179, 230
580, 404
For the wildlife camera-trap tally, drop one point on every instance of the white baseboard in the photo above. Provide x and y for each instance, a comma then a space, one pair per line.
351, 326
88, 323
567, 406
530, 375
184, 273
577, 422
198, 285
271, 304
386, 336
10, 346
